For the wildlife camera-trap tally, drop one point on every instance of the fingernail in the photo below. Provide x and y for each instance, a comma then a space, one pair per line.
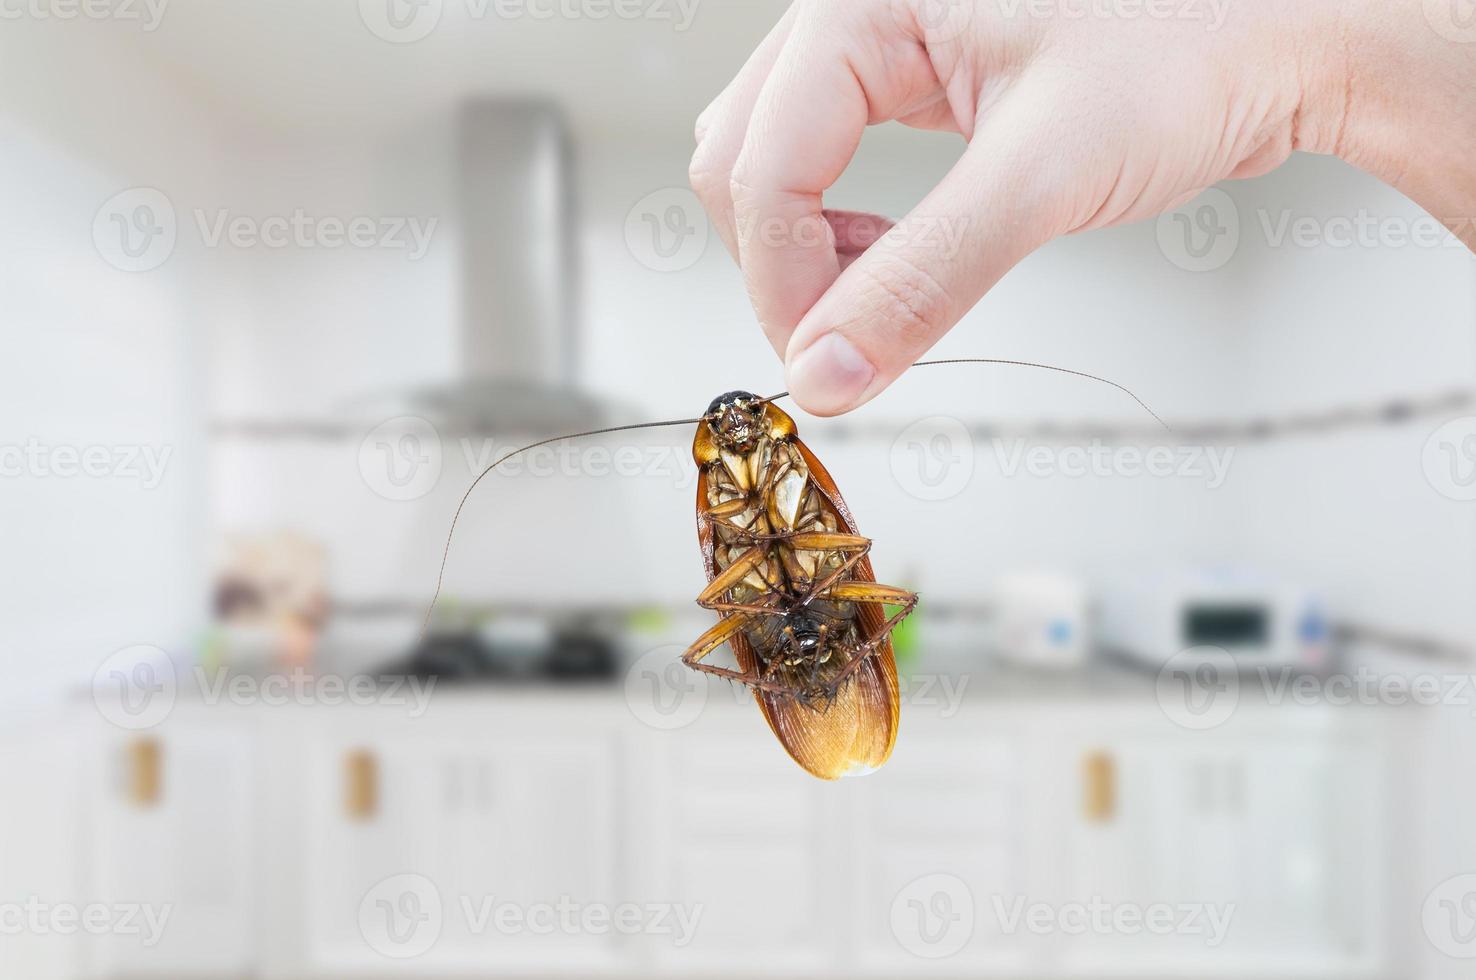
829, 376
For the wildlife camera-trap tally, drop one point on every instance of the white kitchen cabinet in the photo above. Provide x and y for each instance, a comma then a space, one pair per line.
1234, 825
323, 843
938, 841
449, 850
935, 864
746, 841
170, 833
40, 826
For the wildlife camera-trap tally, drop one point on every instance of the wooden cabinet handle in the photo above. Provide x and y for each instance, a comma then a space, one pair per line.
145, 777
1099, 787
361, 785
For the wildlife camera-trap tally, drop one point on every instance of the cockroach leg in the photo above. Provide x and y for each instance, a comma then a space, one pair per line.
858, 591
715, 637
863, 651
733, 574
728, 508
828, 541
749, 535
889, 595
745, 533
854, 544
745, 607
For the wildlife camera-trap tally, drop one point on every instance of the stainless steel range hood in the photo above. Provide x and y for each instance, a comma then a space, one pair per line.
519, 277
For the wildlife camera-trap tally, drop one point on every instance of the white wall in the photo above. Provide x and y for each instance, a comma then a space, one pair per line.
97, 357
1334, 326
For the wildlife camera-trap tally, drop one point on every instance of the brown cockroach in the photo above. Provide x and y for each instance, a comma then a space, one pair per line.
801, 609
790, 576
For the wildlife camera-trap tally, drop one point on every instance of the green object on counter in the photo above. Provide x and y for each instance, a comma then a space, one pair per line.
652, 620
905, 636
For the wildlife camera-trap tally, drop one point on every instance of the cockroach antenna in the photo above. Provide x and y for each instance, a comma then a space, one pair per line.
446, 552
1030, 364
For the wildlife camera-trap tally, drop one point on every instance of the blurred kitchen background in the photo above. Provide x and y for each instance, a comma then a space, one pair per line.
280, 278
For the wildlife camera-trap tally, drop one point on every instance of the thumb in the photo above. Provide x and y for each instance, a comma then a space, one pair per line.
1000, 201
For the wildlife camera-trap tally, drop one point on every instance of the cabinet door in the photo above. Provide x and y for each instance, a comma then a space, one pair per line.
459, 855
170, 843
364, 848
1227, 837
940, 845
746, 849
523, 840
40, 827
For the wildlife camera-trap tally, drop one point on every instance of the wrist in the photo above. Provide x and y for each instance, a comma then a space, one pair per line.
1388, 87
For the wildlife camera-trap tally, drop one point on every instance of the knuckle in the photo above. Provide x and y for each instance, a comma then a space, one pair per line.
704, 123
906, 298
744, 196
708, 177
742, 185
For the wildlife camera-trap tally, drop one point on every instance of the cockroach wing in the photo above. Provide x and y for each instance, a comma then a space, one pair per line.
853, 734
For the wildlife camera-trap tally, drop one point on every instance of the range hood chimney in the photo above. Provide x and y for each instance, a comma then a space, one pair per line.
519, 275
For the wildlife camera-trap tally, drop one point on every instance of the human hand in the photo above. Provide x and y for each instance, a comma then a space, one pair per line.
1078, 114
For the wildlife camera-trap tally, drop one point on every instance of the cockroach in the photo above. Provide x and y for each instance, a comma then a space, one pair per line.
790, 576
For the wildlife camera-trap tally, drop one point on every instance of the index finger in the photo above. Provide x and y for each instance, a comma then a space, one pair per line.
806, 125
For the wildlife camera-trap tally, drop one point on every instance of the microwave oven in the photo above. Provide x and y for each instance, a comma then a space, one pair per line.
1258, 619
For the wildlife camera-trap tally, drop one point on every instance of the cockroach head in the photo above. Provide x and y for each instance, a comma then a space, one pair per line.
737, 421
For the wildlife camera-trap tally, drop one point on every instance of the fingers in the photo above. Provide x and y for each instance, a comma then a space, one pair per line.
806, 125
721, 128
1019, 184
854, 232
